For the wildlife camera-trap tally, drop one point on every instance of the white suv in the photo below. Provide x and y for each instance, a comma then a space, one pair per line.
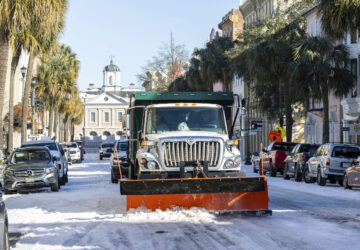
330, 162
73, 150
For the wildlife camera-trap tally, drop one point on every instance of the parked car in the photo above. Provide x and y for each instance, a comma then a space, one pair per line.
274, 156
120, 158
82, 150
352, 176
31, 168
74, 151
56, 150
330, 162
105, 150
295, 162
4, 225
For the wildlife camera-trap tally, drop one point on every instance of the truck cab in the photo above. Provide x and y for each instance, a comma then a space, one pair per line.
175, 132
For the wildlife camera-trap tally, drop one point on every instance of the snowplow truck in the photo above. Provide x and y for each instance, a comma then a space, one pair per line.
181, 154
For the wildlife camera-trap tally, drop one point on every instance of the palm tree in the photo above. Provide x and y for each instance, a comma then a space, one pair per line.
14, 18
322, 66
340, 16
215, 64
57, 79
267, 63
47, 21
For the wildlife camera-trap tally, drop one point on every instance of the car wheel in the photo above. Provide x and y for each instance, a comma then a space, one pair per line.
346, 183
307, 178
6, 238
113, 180
341, 182
272, 171
254, 168
320, 180
285, 174
66, 178
297, 174
56, 187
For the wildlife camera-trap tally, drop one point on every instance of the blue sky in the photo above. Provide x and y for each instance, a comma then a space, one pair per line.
133, 30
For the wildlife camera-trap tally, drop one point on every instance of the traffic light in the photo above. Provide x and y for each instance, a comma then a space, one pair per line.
39, 106
243, 104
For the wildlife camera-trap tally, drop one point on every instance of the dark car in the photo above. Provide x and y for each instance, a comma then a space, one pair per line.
105, 150
31, 168
352, 176
119, 159
295, 162
4, 225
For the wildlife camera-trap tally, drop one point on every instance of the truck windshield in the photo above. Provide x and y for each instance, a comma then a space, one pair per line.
169, 119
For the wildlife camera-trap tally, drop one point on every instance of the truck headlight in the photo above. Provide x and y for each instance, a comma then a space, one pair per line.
229, 164
237, 160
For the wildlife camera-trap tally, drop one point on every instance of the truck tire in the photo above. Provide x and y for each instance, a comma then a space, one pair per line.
254, 168
113, 180
66, 178
297, 174
285, 175
345, 183
320, 180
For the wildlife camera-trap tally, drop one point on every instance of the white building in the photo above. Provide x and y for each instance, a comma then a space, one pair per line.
105, 108
343, 112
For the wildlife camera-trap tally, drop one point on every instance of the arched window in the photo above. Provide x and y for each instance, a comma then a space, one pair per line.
111, 80
106, 133
93, 133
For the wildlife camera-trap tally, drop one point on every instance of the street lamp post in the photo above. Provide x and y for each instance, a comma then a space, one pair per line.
23, 71
33, 82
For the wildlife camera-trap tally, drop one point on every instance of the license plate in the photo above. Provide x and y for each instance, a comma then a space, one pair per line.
346, 164
29, 179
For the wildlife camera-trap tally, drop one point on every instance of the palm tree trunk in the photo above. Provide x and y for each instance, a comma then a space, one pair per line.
72, 131
56, 119
288, 112
25, 103
325, 100
14, 63
51, 117
4, 57
66, 130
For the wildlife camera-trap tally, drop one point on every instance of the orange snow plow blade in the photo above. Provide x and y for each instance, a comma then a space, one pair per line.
247, 194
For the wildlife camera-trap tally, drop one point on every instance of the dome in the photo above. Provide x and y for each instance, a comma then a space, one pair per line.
111, 67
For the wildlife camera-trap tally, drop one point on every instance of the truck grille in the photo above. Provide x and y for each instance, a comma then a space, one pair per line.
173, 153
24, 173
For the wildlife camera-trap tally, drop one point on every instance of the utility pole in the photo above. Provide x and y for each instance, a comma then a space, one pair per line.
247, 139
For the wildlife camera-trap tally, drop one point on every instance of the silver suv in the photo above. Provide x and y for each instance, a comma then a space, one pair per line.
57, 151
330, 162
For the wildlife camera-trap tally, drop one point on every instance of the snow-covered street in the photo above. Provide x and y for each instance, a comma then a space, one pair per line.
89, 213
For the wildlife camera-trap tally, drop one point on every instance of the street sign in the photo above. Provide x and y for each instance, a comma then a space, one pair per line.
274, 136
256, 126
345, 129
280, 130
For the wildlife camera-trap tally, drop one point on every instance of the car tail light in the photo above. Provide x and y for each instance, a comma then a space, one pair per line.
328, 163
